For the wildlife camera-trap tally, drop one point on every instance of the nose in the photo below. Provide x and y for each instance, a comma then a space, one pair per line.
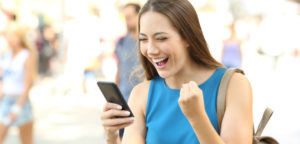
152, 49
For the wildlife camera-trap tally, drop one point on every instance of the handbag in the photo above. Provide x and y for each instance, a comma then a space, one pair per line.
221, 105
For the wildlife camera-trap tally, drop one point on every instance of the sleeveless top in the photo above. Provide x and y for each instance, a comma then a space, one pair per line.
165, 122
232, 55
13, 72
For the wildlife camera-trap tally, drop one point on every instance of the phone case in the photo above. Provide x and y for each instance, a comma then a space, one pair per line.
112, 94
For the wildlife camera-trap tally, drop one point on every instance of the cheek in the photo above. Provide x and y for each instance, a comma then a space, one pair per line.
143, 50
178, 54
168, 48
13, 40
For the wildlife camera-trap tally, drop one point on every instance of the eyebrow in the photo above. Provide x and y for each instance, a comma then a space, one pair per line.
155, 34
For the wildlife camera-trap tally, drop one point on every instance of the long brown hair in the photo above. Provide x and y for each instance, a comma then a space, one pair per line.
184, 18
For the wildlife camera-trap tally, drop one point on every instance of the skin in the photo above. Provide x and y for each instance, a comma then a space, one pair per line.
26, 130
158, 38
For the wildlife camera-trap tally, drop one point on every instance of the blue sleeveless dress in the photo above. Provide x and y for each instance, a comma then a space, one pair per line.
165, 122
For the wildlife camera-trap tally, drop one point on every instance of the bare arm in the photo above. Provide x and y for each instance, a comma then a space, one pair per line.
135, 129
29, 69
237, 125
136, 133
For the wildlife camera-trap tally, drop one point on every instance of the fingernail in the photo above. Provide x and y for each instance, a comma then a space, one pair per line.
126, 112
131, 118
119, 107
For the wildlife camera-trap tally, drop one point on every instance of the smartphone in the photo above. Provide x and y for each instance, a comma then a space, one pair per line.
112, 94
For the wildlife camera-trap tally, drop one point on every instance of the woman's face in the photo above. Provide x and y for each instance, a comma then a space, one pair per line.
13, 39
162, 45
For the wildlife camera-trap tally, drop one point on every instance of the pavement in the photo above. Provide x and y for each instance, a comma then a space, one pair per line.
64, 117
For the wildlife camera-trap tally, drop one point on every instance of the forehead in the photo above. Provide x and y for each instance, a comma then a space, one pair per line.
151, 22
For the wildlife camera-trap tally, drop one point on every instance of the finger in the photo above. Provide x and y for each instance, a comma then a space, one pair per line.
114, 113
188, 89
183, 90
124, 125
185, 86
193, 87
117, 127
117, 121
109, 106
193, 84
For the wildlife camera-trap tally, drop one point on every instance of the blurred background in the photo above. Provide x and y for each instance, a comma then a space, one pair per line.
75, 42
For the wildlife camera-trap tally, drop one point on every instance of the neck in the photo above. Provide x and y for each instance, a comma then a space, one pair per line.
15, 50
195, 72
133, 34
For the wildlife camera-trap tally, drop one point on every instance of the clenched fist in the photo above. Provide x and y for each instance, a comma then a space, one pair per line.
191, 100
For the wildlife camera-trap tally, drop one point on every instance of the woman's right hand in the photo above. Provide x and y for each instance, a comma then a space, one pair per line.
114, 118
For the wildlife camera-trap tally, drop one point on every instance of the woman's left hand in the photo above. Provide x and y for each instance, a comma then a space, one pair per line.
191, 100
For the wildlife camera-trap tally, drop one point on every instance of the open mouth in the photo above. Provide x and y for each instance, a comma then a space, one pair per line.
161, 63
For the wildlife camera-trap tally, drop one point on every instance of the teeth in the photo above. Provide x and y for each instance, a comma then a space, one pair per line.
159, 60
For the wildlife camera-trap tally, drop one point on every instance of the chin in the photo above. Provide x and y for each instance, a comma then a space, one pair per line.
164, 74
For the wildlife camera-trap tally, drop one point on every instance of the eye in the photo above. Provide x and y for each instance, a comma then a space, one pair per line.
142, 39
162, 38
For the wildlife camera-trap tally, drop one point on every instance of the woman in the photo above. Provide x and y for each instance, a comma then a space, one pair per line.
17, 72
232, 52
177, 103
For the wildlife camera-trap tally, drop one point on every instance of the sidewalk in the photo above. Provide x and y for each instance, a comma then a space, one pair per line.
64, 119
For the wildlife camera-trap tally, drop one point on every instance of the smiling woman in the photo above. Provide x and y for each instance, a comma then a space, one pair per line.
181, 17
177, 103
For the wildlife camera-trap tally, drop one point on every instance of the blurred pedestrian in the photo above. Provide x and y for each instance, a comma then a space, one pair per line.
83, 48
126, 51
17, 75
48, 50
232, 53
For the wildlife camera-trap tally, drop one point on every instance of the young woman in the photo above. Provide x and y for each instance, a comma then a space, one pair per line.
177, 103
17, 73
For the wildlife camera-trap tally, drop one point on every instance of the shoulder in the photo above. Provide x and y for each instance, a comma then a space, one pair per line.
30, 57
25, 53
239, 90
120, 40
139, 95
239, 80
140, 90
119, 43
29, 54
142, 86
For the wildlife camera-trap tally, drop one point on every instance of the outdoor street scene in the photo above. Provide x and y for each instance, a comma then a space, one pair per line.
72, 44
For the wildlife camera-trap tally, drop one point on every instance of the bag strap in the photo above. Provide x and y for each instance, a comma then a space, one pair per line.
221, 99
264, 120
